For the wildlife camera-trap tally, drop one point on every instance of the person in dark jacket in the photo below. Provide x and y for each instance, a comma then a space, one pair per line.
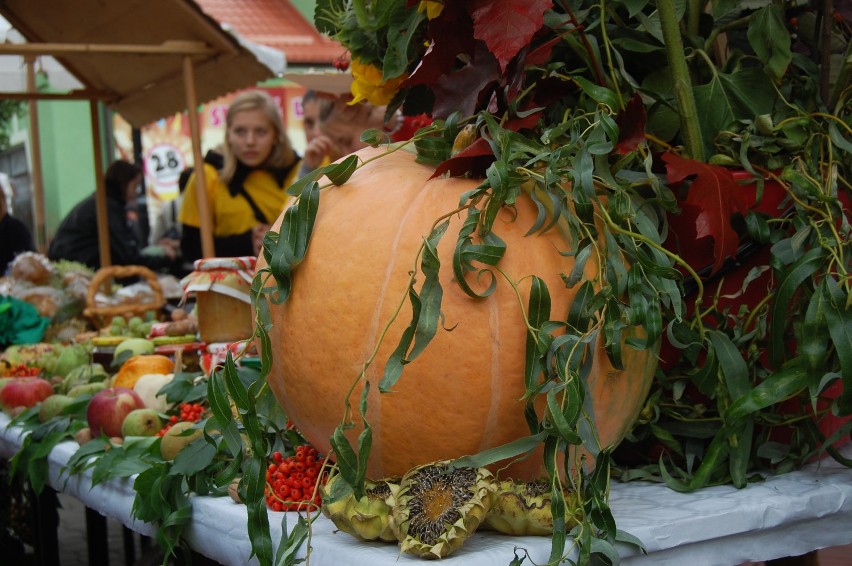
77, 236
15, 237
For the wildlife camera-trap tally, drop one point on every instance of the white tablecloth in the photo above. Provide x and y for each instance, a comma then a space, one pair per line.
785, 515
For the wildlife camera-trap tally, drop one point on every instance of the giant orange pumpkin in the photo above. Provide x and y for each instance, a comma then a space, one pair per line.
463, 393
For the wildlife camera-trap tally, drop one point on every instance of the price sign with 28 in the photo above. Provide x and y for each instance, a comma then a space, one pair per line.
163, 165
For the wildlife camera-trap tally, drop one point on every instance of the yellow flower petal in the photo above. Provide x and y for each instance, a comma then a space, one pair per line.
367, 84
431, 8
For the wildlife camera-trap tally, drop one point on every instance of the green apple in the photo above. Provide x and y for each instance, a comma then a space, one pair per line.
141, 422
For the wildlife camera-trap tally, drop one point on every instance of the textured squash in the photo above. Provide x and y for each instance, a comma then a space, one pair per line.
137, 366
462, 395
148, 385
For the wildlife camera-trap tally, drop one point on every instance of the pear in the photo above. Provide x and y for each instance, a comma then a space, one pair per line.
52, 406
92, 388
141, 422
131, 347
174, 440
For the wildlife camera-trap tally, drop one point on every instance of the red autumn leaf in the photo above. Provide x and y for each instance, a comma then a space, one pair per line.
507, 25
712, 199
462, 90
446, 44
541, 54
474, 158
631, 125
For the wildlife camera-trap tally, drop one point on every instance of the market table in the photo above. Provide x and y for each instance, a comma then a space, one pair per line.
785, 515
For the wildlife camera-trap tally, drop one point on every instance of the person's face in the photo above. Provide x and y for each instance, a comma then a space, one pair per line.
251, 137
310, 118
131, 190
346, 124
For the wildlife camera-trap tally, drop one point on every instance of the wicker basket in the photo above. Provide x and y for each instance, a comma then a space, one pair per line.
100, 315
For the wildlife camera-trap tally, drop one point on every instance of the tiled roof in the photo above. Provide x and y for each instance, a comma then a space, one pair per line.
278, 24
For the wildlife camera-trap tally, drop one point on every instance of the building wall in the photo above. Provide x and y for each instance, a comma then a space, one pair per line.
306, 7
67, 157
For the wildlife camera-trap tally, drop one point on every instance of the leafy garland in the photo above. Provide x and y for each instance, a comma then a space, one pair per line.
583, 136
711, 414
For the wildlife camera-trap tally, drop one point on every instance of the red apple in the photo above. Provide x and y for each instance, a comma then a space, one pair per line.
24, 392
107, 409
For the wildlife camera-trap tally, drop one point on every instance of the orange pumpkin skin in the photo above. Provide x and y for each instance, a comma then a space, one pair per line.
463, 393
139, 365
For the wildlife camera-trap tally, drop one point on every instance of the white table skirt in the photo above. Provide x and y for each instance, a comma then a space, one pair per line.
785, 515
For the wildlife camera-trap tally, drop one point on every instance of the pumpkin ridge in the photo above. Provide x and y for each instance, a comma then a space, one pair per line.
375, 397
495, 389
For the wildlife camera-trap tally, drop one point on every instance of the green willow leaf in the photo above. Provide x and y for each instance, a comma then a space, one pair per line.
706, 377
731, 363
580, 259
557, 510
365, 442
815, 338
401, 32
236, 388
347, 461
254, 477
563, 426
579, 314
839, 318
789, 282
290, 544
339, 173
538, 312
31, 460
217, 396
740, 452
787, 381
606, 549
714, 458
394, 365
503, 452
431, 293
293, 239
768, 36
168, 532
466, 252
597, 93
193, 458
837, 138
627, 538
597, 494
498, 177
230, 472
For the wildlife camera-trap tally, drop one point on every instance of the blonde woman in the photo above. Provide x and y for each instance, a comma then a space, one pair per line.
248, 193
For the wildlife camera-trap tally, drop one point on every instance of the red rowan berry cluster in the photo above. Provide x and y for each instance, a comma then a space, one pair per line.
20, 370
189, 412
291, 483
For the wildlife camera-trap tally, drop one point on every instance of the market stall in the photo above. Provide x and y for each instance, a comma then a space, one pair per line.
785, 515
145, 60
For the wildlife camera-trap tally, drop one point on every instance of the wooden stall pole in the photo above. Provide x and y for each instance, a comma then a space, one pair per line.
206, 228
35, 155
100, 193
